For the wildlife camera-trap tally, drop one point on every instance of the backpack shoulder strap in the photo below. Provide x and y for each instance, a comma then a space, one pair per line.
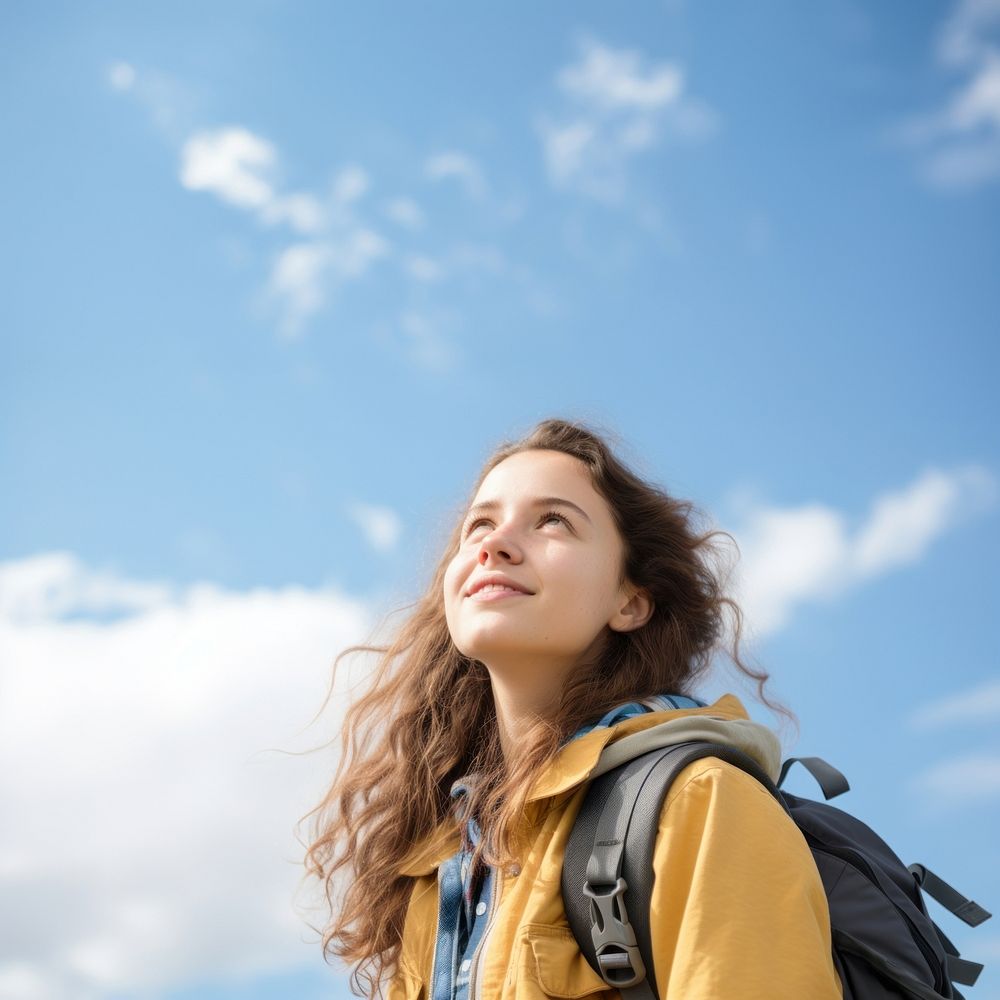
607, 872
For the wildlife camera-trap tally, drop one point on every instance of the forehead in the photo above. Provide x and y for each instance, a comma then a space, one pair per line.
540, 473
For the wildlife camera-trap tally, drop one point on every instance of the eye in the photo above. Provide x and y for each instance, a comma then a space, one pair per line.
552, 513
475, 524
547, 516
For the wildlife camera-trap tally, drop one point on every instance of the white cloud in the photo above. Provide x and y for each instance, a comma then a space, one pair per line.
121, 76
352, 256
236, 166
617, 106
381, 525
793, 555
979, 103
977, 705
974, 777
54, 584
964, 166
959, 144
962, 40
149, 834
332, 243
903, 524
423, 268
231, 163
23, 981
404, 212
303, 212
298, 282
460, 166
613, 79
567, 149
304, 273
350, 184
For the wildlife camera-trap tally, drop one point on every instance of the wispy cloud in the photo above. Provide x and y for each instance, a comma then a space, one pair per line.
614, 80
618, 104
350, 184
425, 336
121, 75
298, 281
238, 167
460, 167
809, 553
970, 778
423, 268
304, 273
301, 212
333, 237
958, 144
404, 212
141, 784
966, 708
171, 106
380, 525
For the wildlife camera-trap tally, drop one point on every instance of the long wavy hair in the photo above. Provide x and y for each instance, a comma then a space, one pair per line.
428, 717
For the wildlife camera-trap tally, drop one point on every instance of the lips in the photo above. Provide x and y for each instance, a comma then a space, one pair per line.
495, 579
490, 595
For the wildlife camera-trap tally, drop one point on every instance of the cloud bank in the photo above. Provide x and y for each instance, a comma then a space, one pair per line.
149, 815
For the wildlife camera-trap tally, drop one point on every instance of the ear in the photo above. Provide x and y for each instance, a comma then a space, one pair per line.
636, 611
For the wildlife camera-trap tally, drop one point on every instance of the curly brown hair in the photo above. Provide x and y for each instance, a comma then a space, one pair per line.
428, 716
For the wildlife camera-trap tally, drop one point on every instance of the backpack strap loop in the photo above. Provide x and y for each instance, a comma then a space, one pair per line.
961, 970
951, 899
829, 779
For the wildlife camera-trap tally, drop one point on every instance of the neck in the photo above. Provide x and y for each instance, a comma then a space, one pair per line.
519, 708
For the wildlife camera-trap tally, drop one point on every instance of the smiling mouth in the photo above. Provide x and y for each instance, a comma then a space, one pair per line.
496, 593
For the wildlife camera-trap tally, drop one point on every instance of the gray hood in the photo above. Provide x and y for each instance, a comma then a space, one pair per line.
753, 738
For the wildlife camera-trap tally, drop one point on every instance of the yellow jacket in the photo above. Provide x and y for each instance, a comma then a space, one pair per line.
738, 909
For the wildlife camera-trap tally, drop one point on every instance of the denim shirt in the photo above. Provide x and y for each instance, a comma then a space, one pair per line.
465, 896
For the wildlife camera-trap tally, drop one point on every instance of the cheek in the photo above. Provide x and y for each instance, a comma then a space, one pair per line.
591, 585
455, 576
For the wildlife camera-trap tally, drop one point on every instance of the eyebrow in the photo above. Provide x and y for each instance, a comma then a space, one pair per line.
537, 502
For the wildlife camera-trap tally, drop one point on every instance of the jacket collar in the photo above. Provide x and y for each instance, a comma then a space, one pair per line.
579, 759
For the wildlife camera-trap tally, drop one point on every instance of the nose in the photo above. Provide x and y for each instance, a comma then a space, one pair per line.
497, 546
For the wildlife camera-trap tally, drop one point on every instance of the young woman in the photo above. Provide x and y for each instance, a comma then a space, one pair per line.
575, 604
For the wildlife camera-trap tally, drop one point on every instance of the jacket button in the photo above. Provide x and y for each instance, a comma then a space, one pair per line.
515, 870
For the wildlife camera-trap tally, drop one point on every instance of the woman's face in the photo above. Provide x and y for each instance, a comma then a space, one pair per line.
565, 555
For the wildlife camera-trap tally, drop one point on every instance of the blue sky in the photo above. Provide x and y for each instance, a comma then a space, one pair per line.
280, 276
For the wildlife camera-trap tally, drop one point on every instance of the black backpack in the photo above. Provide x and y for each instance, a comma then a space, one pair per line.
885, 945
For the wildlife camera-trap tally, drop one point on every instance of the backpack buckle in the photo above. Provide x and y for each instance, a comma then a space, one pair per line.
614, 939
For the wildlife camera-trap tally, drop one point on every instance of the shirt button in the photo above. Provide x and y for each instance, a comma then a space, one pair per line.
466, 964
481, 909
